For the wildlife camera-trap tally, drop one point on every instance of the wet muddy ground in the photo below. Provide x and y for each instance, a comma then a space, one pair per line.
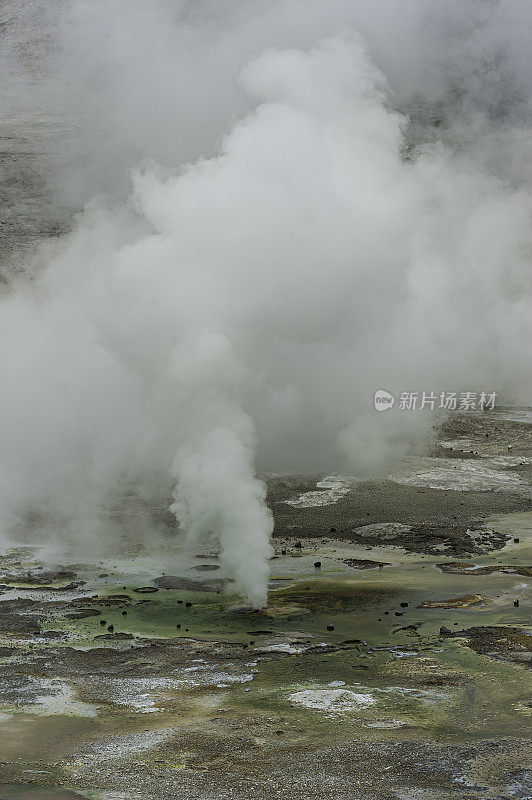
392, 660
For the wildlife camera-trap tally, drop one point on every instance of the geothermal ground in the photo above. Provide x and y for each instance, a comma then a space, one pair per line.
390, 664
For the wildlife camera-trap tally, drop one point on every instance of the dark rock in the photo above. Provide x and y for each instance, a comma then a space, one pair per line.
16, 623
83, 613
146, 589
411, 630
260, 633
317, 564
53, 635
330, 627
109, 601
364, 563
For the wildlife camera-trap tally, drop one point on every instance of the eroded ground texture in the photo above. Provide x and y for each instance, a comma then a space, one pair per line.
391, 663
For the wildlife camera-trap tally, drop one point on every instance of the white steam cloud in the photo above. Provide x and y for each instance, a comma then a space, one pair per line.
285, 207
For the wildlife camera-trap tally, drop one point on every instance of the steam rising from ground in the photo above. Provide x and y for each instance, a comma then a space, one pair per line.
285, 207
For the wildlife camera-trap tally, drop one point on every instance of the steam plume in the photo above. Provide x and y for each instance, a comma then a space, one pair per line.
269, 211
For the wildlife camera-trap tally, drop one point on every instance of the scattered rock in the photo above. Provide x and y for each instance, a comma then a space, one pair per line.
364, 563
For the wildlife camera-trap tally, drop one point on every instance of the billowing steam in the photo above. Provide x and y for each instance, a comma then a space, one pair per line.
286, 206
